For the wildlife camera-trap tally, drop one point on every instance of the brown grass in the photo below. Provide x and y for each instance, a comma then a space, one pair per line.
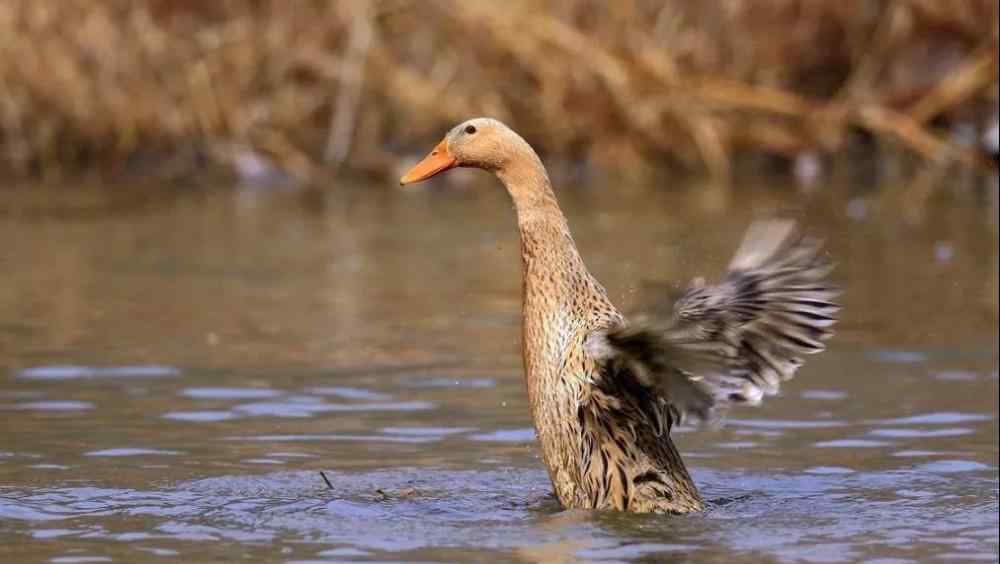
628, 85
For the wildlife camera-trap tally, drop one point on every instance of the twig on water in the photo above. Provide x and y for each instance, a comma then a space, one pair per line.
325, 479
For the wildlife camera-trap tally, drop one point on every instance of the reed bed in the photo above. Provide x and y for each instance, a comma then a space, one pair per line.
319, 86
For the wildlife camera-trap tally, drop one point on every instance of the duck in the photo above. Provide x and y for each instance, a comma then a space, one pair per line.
605, 393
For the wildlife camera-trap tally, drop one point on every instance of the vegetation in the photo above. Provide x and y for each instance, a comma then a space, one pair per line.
634, 84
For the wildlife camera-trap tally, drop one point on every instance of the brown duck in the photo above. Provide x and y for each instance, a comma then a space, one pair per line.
604, 394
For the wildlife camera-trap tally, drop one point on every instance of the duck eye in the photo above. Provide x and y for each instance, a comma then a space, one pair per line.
470, 129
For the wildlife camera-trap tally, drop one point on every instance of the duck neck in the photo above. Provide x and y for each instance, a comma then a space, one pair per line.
528, 184
555, 277
547, 248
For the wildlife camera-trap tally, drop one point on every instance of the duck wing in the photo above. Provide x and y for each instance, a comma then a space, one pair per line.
735, 342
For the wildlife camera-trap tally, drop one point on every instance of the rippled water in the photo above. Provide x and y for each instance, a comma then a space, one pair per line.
176, 375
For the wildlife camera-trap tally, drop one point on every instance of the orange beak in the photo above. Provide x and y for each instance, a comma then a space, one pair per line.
438, 161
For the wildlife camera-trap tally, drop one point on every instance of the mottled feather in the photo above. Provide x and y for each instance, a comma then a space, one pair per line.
603, 401
734, 342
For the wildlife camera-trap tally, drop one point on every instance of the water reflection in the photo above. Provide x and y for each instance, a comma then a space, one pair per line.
84, 372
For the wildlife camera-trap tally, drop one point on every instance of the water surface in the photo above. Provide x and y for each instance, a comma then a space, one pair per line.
176, 368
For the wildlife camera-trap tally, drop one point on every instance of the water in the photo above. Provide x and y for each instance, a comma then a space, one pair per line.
177, 368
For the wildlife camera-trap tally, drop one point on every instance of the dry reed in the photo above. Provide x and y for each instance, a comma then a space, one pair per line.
626, 85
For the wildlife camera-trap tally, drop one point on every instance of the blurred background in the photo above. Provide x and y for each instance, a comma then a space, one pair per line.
213, 287
315, 87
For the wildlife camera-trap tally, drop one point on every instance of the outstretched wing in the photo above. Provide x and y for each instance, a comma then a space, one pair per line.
736, 341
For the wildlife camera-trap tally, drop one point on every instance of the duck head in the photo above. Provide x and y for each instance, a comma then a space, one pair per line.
483, 143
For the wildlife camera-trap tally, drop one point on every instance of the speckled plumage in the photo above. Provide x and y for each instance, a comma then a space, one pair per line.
604, 394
